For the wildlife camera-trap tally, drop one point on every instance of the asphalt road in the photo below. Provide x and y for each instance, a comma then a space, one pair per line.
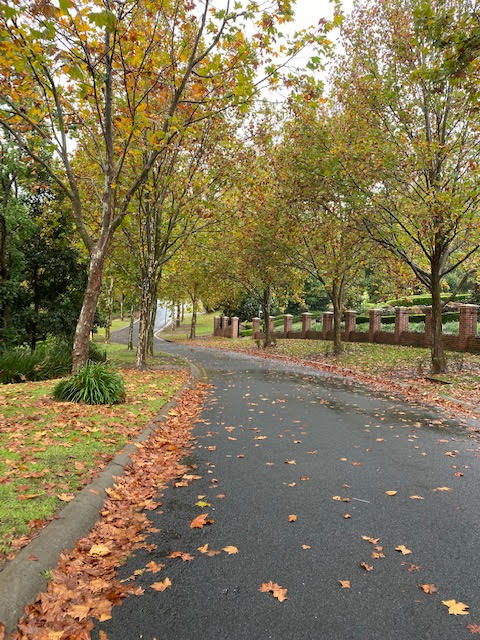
344, 441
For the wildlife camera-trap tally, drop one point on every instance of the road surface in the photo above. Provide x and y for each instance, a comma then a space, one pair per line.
278, 442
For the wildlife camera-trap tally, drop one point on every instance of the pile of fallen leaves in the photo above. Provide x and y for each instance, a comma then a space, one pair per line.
84, 584
51, 449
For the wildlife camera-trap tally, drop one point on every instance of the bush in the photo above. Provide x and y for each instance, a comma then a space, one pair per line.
95, 383
424, 300
51, 359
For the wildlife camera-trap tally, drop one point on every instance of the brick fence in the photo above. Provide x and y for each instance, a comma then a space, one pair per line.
225, 327
467, 339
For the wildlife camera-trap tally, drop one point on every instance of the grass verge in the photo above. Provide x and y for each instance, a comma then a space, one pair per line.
50, 449
204, 327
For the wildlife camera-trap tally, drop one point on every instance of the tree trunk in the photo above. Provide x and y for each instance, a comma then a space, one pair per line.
130, 328
122, 315
4, 308
36, 309
193, 324
151, 324
183, 312
266, 304
178, 321
439, 361
89, 306
108, 319
143, 326
337, 301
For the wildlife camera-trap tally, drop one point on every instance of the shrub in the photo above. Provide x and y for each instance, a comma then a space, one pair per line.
51, 359
94, 383
424, 300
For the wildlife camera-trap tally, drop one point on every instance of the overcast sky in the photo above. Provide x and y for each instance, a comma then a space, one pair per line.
309, 12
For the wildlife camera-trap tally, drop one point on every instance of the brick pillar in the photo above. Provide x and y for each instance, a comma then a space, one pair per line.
234, 327
375, 323
306, 323
225, 327
350, 323
327, 323
216, 324
272, 327
287, 324
401, 322
468, 324
255, 326
428, 325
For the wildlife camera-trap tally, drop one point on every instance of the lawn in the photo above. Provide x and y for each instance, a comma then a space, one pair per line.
204, 327
116, 324
50, 449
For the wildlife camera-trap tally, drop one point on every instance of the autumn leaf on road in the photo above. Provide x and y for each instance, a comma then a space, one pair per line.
230, 550
416, 498
391, 493
99, 550
428, 588
367, 567
403, 549
456, 608
442, 489
306, 546
181, 554
371, 540
200, 521
473, 628
153, 567
161, 586
292, 517
345, 584
278, 592
208, 552
290, 462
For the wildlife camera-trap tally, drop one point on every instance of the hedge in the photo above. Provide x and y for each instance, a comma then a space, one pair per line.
424, 300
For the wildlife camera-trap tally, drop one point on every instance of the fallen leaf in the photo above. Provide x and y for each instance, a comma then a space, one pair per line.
371, 540
347, 516
340, 498
306, 546
456, 608
278, 592
181, 554
220, 495
403, 549
416, 498
366, 566
200, 521
442, 489
377, 554
230, 550
428, 588
345, 584
473, 628
161, 586
391, 493
99, 550
202, 503
292, 518
65, 497
153, 567
290, 462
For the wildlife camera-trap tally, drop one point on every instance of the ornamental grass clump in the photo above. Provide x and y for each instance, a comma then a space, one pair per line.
94, 383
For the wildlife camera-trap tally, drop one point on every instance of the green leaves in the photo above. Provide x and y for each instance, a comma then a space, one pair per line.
103, 19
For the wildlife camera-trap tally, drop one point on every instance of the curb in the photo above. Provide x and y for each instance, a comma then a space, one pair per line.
21, 579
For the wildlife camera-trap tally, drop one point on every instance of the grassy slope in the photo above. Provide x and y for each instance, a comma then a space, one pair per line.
49, 448
204, 327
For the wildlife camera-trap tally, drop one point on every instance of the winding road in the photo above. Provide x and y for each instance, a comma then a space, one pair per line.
277, 441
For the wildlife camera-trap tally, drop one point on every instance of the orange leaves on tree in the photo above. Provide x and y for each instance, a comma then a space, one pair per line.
278, 592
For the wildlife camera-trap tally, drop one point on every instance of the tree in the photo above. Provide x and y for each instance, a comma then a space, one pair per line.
322, 225
413, 141
103, 77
